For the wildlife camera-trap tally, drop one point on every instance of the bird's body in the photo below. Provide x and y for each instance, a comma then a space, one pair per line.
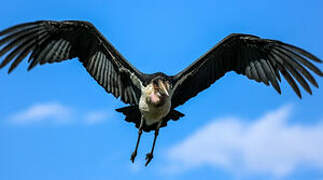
154, 105
153, 113
153, 98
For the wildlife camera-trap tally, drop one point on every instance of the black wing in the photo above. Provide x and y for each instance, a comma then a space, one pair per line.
52, 41
259, 59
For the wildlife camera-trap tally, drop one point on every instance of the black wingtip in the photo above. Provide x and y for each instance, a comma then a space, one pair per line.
10, 69
18, 26
32, 65
29, 68
320, 74
308, 90
277, 88
2, 64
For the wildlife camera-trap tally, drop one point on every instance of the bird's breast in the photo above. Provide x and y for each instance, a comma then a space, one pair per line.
152, 113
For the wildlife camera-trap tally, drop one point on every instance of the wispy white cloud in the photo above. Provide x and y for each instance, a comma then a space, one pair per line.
51, 111
56, 113
95, 117
267, 145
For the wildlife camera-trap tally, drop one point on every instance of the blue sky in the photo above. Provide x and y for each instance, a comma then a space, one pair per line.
57, 123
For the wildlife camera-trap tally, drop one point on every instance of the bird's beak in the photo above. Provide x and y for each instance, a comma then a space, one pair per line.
163, 88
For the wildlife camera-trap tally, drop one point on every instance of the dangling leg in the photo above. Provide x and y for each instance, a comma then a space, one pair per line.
150, 156
134, 154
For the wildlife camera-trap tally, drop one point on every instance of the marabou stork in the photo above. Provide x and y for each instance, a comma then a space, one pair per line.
152, 98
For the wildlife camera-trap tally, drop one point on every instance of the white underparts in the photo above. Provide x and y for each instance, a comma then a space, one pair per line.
152, 113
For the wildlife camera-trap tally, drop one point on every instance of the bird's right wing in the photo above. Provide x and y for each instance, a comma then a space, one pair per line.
262, 60
53, 41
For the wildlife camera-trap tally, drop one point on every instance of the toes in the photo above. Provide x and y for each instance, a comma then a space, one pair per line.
147, 162
149, 157
133, 156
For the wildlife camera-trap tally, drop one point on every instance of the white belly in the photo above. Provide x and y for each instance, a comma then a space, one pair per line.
153, 114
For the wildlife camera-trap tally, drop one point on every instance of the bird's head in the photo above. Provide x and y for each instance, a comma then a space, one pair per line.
160, 87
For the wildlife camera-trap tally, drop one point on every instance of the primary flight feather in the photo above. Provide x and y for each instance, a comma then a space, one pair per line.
152, 98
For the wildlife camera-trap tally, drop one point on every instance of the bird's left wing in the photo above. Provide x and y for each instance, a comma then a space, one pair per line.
259, 59
53, 41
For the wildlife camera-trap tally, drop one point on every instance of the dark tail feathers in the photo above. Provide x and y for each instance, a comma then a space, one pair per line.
133, 114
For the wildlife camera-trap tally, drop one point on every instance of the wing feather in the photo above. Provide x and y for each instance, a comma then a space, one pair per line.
54, 41
262, 60
25, 49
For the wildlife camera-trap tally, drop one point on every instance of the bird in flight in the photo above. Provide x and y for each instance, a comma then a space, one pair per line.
152, 98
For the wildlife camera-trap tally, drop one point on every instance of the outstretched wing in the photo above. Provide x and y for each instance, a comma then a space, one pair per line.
53, 41
259, 59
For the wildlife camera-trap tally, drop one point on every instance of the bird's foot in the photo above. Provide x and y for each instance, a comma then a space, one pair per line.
133, 156
149, 157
